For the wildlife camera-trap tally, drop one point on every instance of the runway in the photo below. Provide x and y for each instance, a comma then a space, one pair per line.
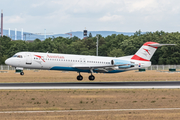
92, 85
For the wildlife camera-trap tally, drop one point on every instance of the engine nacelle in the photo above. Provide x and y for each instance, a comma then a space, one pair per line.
119, 62
122, 63
126, 66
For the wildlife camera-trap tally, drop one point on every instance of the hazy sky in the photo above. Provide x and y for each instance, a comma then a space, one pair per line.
61, 16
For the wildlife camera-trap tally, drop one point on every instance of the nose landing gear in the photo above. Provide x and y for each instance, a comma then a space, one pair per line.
21, 73
19, 70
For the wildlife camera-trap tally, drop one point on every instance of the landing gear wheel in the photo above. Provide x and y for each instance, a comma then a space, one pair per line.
79, 77
21, 73
91, 77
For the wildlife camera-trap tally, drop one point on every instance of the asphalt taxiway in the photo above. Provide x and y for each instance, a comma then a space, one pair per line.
92, 85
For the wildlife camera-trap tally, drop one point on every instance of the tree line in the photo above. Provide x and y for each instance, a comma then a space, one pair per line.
112, 45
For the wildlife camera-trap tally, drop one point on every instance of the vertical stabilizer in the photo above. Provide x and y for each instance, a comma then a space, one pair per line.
146, 52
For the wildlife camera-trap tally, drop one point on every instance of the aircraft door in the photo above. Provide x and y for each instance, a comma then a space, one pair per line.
28, 59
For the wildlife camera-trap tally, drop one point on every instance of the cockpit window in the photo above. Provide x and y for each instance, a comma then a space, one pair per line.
18, 56
14, 55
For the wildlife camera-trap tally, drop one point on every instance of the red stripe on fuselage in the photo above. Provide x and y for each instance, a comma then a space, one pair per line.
135, 57
39, 57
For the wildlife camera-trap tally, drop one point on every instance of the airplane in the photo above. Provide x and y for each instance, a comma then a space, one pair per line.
84, 63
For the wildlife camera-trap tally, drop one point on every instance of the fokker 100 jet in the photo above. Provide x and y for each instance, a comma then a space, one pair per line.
84, 63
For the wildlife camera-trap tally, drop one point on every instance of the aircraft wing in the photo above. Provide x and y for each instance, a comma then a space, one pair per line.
90, 67
87, 67
100, 69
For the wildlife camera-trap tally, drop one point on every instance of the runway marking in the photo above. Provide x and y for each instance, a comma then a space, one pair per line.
101, 110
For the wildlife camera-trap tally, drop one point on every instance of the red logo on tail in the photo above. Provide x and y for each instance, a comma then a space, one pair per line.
147, 51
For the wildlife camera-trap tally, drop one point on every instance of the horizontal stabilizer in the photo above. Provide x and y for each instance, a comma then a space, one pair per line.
159, 45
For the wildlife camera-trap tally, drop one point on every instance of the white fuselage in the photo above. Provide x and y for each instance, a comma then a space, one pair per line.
68, 62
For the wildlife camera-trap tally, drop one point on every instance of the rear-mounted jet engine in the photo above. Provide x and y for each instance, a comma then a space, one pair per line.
122, 63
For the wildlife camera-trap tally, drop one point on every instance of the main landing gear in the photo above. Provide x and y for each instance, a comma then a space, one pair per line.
91, 77
80, 77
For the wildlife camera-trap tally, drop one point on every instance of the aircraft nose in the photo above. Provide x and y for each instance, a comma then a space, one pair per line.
7, 62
